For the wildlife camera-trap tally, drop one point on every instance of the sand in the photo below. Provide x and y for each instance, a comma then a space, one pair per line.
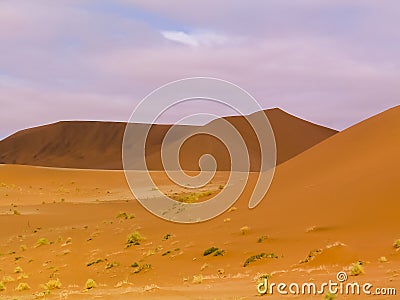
328, 207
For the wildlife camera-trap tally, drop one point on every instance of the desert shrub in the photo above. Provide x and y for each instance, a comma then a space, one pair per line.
18, 270
90, 284
262, 238
256, 257
141, 268
221, 186
94, 262
396, 244
227, 220
7, 279
356, 268
329, 296
22, 286
23, 248
167, 236
42, 242
382, 259
125, 216
197, 279
219, 252
112, 265
244, 230
135, 265
134, 239
233, 208
166, 253
2, 287
193, 197
53, 284
209, 251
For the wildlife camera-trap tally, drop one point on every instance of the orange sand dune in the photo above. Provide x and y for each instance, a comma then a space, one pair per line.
332, 205
97, 145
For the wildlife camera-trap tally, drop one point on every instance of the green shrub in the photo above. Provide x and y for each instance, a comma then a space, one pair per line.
2, 286
135, 265
90, 284
125, 216
134, 239
219, 252
141, 268
167, 236
356, 268
42, 242
94, 262
18, 270
262, 238
22, 286
209, 251
166, 253
112, 265
53, 284
396, 244
262, 255
329, 296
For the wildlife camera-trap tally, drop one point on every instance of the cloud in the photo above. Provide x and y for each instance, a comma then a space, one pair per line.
195, 39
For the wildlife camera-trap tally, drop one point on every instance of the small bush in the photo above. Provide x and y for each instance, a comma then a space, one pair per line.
356, 268
219, 252
7, 279
194, 197
329, 296
141, 268
125, 216
262, 238
134, 239
221, 186
90, 284
382, 259
233, 208
42, 242
23, 248
112, 265
396, 244
209, 251
18, 270
244, 230
53, 284
167, 236
197, 279
262, 255
166, 253
135, 265
2, 287
94, 262
22, 286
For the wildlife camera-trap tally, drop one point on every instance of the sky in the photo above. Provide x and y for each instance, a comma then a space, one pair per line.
334, 63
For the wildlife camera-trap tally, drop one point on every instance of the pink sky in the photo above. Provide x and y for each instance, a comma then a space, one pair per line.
331, 62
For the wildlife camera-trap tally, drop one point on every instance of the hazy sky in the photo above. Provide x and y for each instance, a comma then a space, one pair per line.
331, 62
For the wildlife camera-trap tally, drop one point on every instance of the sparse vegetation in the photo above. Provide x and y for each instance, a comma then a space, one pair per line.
219, 252
53, 284
233, 208
125, 216
329, 296
135, 265
356, 268
112, 265
167, 236
396, 244
2, 286
42, 242
166, 253
193, 197
23, 248
197, 279
7, 279
209, 251
382, 259
90, 284
22, 286
244, 230
221, 187
94, 262
227, 220
18, 270
141, 268
262, 238
256, 257
134, 239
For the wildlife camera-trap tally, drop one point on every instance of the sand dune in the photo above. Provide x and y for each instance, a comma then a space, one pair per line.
97, 145
332, 205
